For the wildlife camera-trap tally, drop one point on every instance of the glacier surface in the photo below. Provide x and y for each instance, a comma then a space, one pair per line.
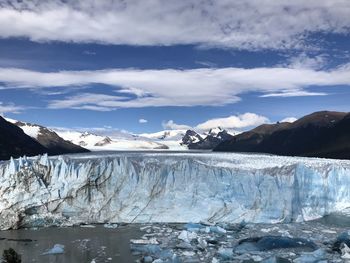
169, 187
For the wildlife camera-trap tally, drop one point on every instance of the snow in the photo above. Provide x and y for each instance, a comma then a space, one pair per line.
32, 131
170, 138
29, 129
96, 142
165, 135
170, 187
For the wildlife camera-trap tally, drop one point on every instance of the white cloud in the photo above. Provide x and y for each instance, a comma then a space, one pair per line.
143, 121
10, 108
289, 119
171, 125
305, 61
226, 23
234, 122
297, 93
192, 87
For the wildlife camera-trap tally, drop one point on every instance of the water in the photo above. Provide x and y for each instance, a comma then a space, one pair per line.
82, 244
100, 244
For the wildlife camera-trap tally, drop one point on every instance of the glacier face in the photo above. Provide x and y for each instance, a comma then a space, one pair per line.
170, 187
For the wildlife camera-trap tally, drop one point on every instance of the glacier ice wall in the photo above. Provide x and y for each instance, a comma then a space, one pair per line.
169, 187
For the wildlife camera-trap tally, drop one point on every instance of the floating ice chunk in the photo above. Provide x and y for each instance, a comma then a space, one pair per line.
110, 225
147, 259
312, 257
57, 249
345, 252
194, 227
187, 236
328, 231
257, 258
184, 245
145, 249
274, 259
268, 230
217, 229
225, 253
188, 253
88, 226
144, 241
202, 243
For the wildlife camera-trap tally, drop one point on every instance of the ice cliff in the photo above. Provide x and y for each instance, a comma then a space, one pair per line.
169, 187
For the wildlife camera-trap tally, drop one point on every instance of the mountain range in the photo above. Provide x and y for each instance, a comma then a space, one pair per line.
19, 138
321, 134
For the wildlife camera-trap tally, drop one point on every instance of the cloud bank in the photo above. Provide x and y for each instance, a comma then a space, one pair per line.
5, 108
133, 88
254, 24
171, 125
233, 122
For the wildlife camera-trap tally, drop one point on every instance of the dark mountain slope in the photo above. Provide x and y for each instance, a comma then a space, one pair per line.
14, 142
49, 139
321, 134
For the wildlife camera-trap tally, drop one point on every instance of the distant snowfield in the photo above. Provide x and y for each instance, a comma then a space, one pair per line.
96, 142
167, 186
171, 138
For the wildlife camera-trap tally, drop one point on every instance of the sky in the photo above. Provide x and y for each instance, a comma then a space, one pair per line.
144, 66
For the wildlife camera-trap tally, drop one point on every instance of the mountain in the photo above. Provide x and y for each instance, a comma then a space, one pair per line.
119, 141
190, 138
48, 138
14, 142
207, 141
171, 138
320, 134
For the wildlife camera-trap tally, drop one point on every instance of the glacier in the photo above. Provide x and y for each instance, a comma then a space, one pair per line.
169, 187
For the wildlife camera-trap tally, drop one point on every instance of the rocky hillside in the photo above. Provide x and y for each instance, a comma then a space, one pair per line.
320, 134
14, 142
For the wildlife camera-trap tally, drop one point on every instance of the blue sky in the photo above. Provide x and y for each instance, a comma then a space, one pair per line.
109, 64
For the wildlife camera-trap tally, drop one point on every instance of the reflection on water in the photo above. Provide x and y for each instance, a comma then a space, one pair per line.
81, 244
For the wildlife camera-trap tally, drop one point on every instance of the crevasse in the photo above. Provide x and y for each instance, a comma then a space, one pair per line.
169, 187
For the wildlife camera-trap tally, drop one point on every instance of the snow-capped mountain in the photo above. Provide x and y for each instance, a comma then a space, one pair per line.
48, 138
190, 139
174, 135
207, 141
61, 140
120, 141
171, 138
14, 142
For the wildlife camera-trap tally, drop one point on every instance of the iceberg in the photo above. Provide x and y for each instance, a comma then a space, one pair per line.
174, 187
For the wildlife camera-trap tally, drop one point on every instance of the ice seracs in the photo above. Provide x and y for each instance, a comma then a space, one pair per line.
170, 187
